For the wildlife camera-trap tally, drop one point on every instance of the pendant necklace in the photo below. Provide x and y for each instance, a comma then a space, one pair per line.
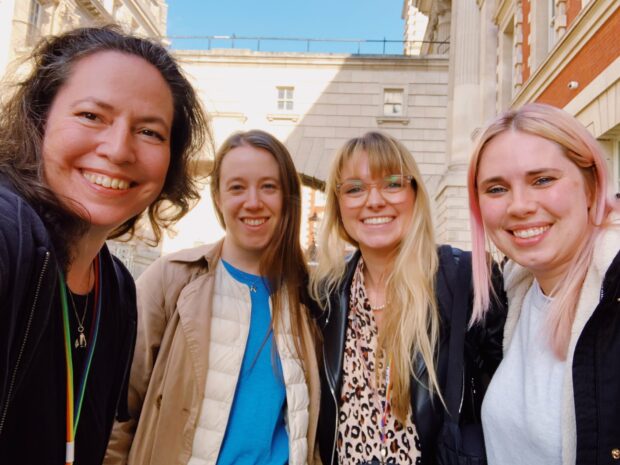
253, 285
80, 340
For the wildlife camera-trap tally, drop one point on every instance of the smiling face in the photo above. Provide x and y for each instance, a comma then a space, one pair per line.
250, 200
378, 225
106, 143
534, 203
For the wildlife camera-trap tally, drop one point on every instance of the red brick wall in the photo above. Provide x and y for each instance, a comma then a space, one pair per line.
573, 7
598, 53
527, 27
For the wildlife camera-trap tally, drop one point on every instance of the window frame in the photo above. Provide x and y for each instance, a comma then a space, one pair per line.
403, 101
285, 99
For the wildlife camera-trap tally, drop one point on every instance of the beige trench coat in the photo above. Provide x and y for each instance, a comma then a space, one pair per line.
169, 369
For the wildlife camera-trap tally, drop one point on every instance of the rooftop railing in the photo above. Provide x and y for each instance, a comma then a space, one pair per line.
305, 45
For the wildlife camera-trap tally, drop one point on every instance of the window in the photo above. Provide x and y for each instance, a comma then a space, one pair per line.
393, 102
285, 98
35, 13
551, 20
34, 21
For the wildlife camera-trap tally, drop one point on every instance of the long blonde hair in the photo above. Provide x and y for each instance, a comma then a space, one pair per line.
413, 320
581, 148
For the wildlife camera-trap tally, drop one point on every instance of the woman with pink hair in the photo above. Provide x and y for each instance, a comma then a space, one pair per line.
538, 191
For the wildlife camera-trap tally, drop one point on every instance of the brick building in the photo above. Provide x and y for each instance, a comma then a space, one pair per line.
504, 53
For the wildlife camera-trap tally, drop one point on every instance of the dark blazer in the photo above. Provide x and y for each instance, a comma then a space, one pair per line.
596, 377
483, 353
29, 307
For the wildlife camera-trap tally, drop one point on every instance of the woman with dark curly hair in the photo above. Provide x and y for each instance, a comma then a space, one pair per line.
100, 132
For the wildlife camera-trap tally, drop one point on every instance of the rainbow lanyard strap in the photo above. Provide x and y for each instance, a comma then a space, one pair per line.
385, 411
74, 406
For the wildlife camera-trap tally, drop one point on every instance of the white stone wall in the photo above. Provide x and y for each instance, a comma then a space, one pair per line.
336, 97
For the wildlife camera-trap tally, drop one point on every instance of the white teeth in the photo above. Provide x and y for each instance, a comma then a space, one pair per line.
106, 181
531, 232
378, 220
254, 221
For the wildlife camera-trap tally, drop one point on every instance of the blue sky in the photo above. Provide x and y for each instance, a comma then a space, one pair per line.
319, 19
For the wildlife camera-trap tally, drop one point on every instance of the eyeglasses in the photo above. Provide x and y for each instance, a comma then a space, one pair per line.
354, 192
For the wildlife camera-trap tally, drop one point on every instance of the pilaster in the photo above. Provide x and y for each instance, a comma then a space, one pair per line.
465, 110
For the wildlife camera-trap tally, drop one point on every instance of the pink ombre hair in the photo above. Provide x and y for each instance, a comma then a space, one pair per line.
583, 150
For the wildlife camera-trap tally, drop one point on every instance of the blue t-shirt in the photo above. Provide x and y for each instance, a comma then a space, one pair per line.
256, 432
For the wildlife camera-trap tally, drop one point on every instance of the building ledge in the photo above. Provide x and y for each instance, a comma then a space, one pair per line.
283, 117
393, 120
96, 9
229, 115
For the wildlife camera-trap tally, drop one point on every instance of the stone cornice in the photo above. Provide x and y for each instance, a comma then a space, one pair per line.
424, 6
146, 17
505, 9
252, 58
96, 8
581, 31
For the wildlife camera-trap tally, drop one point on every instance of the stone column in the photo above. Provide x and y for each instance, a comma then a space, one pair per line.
489, 43
444, 15
465, 110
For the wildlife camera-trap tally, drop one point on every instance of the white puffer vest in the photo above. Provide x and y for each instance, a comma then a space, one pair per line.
230, 325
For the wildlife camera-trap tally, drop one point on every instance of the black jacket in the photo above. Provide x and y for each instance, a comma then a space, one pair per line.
483, 354
596, 378
28, 308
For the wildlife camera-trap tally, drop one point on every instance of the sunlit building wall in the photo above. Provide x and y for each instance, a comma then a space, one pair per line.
314, 103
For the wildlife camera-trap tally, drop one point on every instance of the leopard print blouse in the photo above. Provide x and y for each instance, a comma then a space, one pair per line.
361, 404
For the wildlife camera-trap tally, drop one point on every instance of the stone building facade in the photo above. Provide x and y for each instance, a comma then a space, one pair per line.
314, 103
505, 53
24, 22
478, 58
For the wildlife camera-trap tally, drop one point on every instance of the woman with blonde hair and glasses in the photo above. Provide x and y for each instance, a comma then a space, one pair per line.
538, 191
387, 312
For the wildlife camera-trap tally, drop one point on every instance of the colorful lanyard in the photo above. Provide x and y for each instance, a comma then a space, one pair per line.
74, 406
385, 407
385, 403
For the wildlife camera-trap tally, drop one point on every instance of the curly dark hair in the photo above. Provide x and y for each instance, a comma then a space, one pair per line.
22, 126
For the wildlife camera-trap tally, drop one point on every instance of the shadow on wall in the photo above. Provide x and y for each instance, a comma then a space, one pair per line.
314, 103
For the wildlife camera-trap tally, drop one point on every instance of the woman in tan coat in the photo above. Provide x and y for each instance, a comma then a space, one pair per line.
225, 370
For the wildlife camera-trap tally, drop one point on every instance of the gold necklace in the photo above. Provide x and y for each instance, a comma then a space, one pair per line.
80, 340
378, 308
